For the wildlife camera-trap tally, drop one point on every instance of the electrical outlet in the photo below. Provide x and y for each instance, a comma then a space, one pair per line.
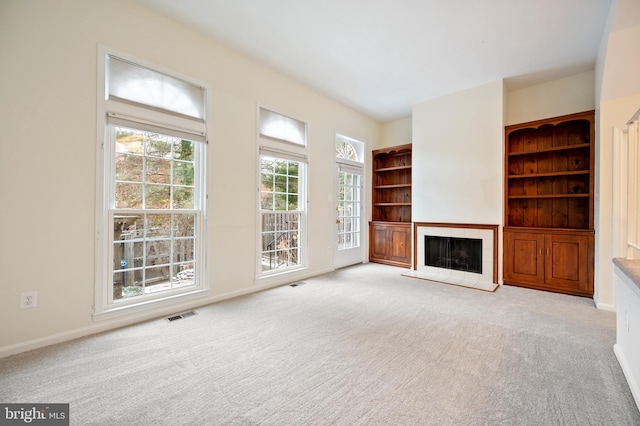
28, 300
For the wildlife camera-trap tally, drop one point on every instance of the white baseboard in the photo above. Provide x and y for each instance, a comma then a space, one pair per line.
606, 307
634, 385
113, 323
54, 339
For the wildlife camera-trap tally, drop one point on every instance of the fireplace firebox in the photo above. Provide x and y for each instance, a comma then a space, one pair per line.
458, 254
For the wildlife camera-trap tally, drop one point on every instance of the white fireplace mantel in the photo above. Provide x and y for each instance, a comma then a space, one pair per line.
487, 280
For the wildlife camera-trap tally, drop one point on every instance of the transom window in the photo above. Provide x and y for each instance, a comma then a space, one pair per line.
346, 151
151, 208
349, 151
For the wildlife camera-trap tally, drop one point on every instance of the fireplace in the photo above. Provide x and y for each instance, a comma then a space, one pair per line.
460, 254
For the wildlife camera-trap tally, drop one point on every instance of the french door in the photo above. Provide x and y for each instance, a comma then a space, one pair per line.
348, 250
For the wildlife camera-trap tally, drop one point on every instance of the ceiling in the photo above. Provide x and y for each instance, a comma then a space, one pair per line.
382, 56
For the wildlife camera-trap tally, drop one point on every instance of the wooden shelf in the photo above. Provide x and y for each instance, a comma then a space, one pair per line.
392, 169
391, 204
552, 149
524, 197
391, 184
402, 185
551, 174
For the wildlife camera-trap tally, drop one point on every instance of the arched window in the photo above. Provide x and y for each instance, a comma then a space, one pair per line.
345, 150
349, 150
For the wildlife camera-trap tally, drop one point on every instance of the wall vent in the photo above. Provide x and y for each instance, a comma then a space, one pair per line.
182, 315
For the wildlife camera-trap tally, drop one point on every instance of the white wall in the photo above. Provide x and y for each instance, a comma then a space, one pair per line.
568, 95
47, 156
619, 98
396, 132
458, 157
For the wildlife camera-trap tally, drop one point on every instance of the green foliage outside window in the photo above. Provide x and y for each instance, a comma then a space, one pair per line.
279, 184
158, 166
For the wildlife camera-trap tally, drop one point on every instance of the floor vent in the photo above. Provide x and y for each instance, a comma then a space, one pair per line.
180, 316
297, 284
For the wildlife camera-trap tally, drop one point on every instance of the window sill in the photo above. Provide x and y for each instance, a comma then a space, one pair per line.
285, 277
276, 273
148, 306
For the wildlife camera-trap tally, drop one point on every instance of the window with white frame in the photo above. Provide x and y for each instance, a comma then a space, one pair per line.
347, 150
282, 215
350, 167
151, 167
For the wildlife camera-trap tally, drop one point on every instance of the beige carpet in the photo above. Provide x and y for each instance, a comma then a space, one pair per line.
361, 346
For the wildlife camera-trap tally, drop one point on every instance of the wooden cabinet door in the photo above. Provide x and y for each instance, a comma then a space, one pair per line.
378, 244
400, 244
524, 260
390, 243
567, 263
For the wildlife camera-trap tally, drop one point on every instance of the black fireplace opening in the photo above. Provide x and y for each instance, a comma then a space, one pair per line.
459, 254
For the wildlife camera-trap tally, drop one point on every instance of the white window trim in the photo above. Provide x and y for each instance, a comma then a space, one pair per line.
291, 151
302, 194
357, 167
104, 310
357, 145
346, 165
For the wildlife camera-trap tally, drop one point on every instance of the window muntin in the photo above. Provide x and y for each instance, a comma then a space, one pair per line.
154, 212
349, 208
280, 180
345, 150
281, 213
152, 171
152, 253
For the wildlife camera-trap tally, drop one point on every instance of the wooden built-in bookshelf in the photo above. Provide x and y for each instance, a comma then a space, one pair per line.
390, 229
549, 196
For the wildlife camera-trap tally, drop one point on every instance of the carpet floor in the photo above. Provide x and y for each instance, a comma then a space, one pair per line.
360, 346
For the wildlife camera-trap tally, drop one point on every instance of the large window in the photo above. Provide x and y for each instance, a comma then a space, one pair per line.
151, 205
282, 214
154, 219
